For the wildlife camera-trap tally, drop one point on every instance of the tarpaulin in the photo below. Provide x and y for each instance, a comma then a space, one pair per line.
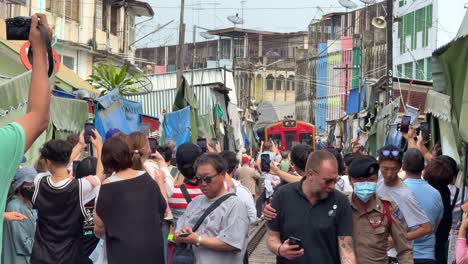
112, 117
177, 126
132, 111
352, 106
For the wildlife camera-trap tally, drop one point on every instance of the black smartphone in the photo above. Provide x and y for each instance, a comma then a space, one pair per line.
88, 132
184, 234
201, 142
153, 144
75, 165
265, 162
405, 123
424, 128
295, 241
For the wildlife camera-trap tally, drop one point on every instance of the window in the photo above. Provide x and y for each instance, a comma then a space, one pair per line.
399, 70
409, 70
279, 82
420, 75
269, 82
305, 138
114, 20
276, 138
69, 62
71, 7
429, 68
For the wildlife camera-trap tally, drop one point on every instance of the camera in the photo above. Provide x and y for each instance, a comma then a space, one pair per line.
18, 28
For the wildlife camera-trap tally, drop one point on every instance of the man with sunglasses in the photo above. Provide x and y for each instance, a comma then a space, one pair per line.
314, 214
390, 185
374, 219
222, 236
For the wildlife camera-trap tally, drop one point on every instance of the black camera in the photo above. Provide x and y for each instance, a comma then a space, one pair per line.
18, 28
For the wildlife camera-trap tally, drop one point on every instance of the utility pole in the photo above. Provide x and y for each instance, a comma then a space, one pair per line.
180, 52
389, 19
347, 69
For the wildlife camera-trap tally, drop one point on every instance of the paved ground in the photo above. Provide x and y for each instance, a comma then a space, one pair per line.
262, 255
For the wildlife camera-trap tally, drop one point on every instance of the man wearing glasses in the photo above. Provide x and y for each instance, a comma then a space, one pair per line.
222, 237
313, 221
391, 186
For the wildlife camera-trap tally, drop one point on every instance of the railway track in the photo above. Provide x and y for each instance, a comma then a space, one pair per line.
255, 237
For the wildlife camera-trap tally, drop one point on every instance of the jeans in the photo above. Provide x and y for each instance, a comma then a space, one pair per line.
166, 226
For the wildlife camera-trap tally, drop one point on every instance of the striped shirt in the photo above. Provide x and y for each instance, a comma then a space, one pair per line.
177, 202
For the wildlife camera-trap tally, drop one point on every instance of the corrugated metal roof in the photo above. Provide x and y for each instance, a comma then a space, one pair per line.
157, 101
167, 81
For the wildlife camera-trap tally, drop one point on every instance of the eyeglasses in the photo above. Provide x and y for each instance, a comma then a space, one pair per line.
207, 179
394, 153
332, 181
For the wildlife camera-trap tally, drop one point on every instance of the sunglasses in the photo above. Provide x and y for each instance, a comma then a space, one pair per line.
206, 179
394, 153
332, 181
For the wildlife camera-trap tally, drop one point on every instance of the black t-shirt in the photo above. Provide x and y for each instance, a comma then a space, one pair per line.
318, 226
444, 227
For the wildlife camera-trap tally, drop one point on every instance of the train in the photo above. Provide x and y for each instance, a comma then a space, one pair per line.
287, 133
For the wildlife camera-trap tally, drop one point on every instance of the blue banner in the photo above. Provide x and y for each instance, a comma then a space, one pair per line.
177, 126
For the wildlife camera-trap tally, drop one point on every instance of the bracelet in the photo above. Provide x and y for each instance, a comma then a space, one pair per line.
278, 250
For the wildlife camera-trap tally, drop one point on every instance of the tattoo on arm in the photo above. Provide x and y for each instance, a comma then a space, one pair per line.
346, 250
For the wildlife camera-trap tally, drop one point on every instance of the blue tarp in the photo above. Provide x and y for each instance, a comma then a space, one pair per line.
112, 117
177, 126
353, 102
132, 111
63, 94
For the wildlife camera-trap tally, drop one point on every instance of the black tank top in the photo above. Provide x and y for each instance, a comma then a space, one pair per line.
132, 211
59, 230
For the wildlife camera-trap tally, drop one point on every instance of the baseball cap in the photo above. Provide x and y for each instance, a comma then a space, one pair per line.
111, 132
245, 159
363, 167
25, 174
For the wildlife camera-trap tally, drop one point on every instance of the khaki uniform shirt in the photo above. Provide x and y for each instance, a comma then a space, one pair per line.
371, 243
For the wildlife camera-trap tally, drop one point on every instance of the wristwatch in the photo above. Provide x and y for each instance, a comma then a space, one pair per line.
198, 241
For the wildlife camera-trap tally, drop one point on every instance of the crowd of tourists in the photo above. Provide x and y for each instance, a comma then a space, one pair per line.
114, 199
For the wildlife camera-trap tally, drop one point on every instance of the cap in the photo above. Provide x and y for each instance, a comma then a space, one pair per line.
363, 167
245, 159
186, 154
111, 132
24, 159
25, 174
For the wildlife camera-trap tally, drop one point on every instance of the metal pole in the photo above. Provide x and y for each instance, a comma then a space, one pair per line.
193, 54
180, 53
389, 19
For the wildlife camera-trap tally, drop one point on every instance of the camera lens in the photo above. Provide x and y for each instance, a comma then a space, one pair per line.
19, 22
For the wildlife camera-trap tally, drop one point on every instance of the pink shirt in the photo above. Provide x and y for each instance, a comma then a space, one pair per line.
461, 251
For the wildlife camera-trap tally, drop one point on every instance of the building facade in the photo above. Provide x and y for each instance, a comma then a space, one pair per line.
85, 32
415, 37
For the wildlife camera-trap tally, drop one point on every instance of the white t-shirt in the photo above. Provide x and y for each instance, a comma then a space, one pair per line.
247, 199
152, 167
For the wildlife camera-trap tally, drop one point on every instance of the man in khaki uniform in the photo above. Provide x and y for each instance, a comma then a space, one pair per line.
374, 218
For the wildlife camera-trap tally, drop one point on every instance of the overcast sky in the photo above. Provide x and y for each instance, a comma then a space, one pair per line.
270, 15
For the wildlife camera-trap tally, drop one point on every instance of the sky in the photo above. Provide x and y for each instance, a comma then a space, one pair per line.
269, 15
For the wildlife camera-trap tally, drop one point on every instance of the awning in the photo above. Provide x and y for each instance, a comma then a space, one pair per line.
66, 79
388, 110
438, 105
352, 106
138, 8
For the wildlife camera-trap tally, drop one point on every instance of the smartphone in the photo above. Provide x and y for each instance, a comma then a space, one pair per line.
201, 142
184, 234
88, 132
424, 128
295, 241
405, 123
153, 144
265, 162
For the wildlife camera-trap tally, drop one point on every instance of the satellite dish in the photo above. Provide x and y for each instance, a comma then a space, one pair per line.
379, 22
206, 35
348, 4
368, 2
236, 20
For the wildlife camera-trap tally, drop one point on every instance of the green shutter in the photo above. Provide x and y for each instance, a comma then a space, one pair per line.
429, 68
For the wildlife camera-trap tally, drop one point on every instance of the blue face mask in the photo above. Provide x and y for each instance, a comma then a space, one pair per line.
364, 190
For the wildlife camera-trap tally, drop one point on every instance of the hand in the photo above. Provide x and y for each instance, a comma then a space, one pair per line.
274, 170
420, 140
390, 244
269, 212
411, 134
35, 35
290, 252
81, 140
96, 140
158, 157
14, 216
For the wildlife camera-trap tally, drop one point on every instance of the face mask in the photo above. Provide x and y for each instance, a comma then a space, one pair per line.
28, 194
364, 190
